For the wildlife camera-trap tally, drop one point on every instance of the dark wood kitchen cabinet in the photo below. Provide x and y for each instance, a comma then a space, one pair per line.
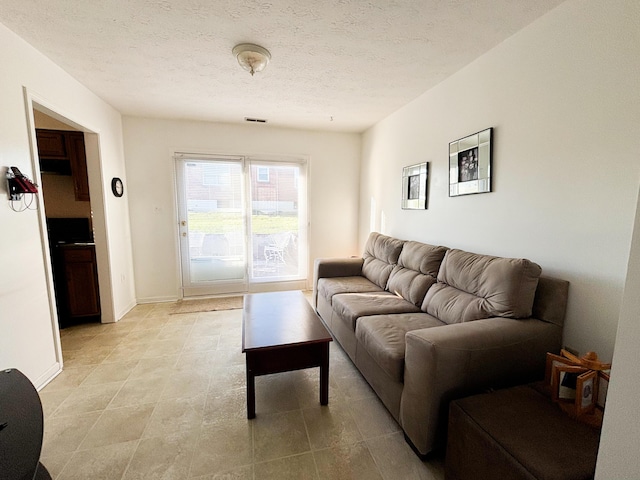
80, 281
63, 152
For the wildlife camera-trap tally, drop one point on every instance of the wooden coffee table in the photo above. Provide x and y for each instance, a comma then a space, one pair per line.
280, 333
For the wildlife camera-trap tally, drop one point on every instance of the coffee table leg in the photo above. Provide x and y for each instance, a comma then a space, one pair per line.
251, 391
324, 375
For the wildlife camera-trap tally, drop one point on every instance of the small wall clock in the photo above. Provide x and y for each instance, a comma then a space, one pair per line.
117, 187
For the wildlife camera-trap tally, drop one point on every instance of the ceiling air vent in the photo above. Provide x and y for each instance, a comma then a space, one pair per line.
255, 120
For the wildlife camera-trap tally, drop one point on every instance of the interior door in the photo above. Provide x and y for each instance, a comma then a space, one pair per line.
211, 209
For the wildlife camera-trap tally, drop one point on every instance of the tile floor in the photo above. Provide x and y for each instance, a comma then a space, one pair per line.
161, 396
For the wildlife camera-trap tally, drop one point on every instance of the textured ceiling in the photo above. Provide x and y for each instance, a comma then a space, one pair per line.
355, 61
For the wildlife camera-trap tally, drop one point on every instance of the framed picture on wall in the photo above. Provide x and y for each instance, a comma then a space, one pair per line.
414, 186
470, 164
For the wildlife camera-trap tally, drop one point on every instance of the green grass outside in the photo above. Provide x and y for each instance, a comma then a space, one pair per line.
232, 222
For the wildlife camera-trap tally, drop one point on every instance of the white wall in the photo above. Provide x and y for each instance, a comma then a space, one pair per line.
149, 147
28, 332
563, 98
618, 457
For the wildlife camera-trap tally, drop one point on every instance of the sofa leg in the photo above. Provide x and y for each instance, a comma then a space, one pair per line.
437, 452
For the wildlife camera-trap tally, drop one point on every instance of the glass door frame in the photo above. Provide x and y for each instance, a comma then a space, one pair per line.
302, 166
216, 287
249, 284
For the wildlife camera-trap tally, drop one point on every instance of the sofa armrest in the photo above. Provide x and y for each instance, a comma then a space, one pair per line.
335, 267
453, 361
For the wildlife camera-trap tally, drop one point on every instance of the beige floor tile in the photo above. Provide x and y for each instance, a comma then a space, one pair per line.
330, 425
88, 399
176, 415
276, 393
395, 459
160, 314
241, 473
186, 384
82, 329
104, 463
228, 356
127, 353
212, 323
65, 434
158, 368
279, 435
140, 391
226, 406
347, 462
353, 386
231, 341
224, 378
70, 377
141, 310
172, 331
298, 467
223, 447
109, 373
192, 361
140, 336
164, 348
184, 414
166, 457
207, 328
105, 339
150, 323
55, 463
118, 426
201, 343
92, 355
51, 400
372, 418
182, 319
307, 388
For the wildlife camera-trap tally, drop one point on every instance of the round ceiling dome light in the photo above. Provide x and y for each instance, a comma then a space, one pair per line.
253, 58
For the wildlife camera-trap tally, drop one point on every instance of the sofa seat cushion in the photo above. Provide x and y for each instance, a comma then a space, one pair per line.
328, 287
472, 286
383, 338
380, 255
416, 271
351, 306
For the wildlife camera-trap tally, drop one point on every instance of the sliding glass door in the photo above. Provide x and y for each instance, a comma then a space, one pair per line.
278, 221
242, 222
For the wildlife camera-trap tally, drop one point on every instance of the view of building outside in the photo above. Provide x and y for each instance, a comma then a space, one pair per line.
216, 222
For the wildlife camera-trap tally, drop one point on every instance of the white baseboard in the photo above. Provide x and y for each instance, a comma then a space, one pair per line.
157, 300
51, 373
125, 310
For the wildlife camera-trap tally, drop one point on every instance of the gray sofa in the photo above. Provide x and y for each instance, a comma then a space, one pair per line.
426, 324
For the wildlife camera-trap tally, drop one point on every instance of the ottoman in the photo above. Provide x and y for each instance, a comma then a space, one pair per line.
517, 433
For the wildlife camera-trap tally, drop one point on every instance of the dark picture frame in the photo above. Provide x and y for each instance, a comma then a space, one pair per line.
470, 164
414, 186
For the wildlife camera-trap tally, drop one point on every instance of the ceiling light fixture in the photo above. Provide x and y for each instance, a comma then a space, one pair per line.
253, 58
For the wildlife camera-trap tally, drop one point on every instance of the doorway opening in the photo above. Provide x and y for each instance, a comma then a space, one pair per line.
69, 220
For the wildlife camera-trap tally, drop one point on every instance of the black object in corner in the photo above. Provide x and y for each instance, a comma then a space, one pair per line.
22, 419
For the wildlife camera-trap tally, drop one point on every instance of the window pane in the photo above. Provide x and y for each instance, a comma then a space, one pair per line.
215, 221
275, 221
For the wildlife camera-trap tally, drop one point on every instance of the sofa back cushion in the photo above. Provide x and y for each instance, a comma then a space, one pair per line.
416, 271
472, 286
380, 256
